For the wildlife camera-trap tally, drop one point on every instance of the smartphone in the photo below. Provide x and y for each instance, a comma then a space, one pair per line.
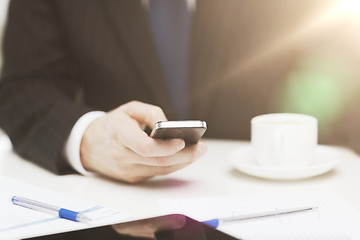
189, 130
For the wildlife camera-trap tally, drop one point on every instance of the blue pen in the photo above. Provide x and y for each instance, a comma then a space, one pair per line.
50, 209
217, 221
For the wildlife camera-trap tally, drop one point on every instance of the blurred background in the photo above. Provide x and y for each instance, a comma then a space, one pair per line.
323, 79
282, 56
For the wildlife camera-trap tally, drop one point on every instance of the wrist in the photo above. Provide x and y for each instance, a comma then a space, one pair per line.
73, 144
89, 138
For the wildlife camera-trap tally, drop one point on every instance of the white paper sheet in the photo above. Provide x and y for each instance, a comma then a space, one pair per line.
19, 222
334, 218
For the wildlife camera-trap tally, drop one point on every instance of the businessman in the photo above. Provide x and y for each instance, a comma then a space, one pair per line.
82, 79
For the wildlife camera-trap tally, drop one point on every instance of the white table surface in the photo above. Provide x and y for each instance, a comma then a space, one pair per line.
212, 175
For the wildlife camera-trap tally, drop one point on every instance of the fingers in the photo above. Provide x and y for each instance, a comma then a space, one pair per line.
186, 156
134, 168
145, 146
144, 113
129, 134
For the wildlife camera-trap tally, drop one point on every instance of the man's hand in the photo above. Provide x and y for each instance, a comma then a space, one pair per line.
116, 145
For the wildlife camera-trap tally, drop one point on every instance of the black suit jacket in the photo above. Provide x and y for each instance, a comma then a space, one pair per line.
63, 58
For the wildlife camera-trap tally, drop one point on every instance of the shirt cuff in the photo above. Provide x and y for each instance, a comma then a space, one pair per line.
72, 144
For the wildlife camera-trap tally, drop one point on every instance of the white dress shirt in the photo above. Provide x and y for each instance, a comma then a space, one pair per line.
72, 145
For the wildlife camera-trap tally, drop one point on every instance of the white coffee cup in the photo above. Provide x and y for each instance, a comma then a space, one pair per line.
284, 139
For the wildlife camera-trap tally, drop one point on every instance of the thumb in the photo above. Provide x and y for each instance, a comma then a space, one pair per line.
144, 113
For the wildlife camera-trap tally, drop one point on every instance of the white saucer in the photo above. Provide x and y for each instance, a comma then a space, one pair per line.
325, 159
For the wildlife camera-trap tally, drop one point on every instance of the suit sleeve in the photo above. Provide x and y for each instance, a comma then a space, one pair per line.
39, 86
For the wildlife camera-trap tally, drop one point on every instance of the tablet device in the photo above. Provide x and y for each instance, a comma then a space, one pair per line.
167, 227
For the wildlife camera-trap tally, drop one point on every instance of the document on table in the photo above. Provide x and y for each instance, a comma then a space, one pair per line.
19, 222
334, 218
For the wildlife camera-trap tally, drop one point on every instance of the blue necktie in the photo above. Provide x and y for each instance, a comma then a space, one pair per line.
170, 21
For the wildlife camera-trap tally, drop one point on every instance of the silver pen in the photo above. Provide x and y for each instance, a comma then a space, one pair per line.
50, 209
217, 221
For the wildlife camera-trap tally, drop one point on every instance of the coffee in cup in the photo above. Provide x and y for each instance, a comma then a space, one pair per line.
284, 139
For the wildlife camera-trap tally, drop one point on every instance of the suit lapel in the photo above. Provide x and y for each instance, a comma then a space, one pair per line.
131, 23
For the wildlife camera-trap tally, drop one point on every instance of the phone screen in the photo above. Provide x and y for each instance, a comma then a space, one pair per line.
167, 227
